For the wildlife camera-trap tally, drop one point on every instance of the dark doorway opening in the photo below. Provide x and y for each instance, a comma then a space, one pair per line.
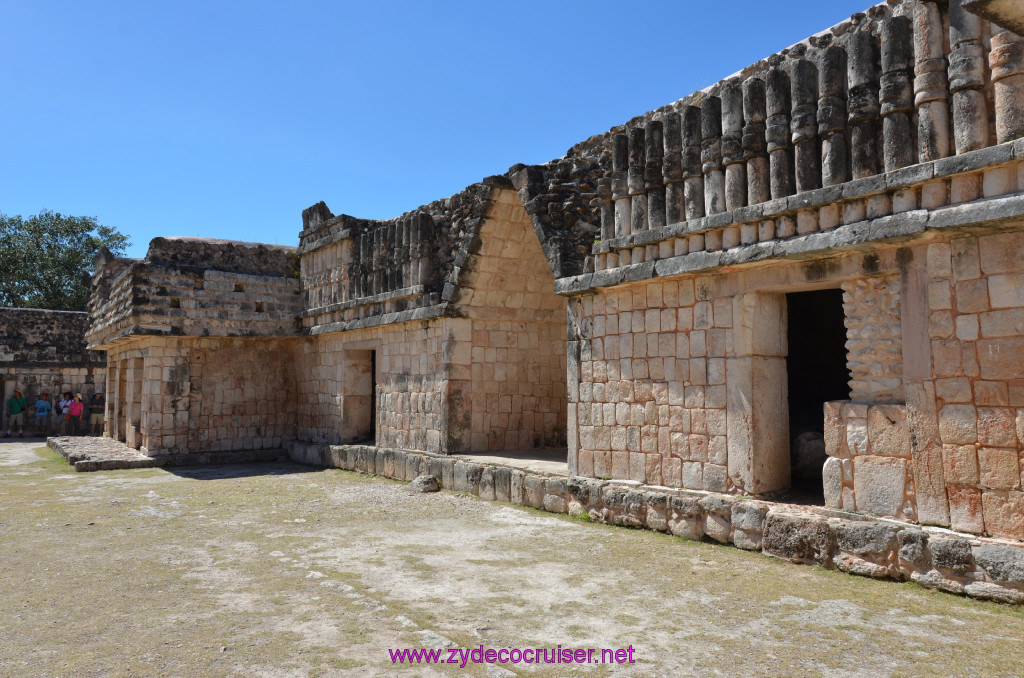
817, 373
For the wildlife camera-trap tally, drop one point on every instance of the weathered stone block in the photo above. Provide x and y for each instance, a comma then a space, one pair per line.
887, 430
502, 484
879, 484
460, 482
832, 480
447, 472
434, 467
951, 554
958, 424
799, 538
487, 484
913, 550
533, 491
473, 473
867, 540
401, 465
966, 513
1004, 513
749, 516
999, 468
1002, 562
517, 480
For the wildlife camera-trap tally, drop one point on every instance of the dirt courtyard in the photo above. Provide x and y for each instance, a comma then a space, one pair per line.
286, 570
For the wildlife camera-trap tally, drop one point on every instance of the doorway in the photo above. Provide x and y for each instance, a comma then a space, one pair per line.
359, 397
817, 373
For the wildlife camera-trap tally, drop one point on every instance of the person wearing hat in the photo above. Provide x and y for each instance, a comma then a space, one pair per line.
75, 411
96, 408
16, 413
42, 408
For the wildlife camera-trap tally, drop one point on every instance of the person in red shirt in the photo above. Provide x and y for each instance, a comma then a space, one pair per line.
75, 412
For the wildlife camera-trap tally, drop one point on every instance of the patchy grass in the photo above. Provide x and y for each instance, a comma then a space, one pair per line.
287, 571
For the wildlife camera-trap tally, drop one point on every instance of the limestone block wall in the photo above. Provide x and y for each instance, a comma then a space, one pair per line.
43, 351
874, 338
186, 396
869, 467
245, 403
517, 383
867, 437
652, 400
411, 383
197, 287
976, 332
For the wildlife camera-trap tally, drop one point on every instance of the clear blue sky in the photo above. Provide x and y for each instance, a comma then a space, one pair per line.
226, 119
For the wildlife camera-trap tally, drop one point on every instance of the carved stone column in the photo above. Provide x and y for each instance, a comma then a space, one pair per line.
672, 169
967, 79
1007, 61
755, 149
778, 135
654, 183
732, 147
638, 199
807, 157
863, 104
835, 160
693, 176
711, 155
896, 94
620, 185
931, 87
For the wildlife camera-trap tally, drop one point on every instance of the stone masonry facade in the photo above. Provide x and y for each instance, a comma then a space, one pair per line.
44, 351
368, 332
804, 283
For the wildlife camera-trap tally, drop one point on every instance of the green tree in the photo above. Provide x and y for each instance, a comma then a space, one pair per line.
46, 258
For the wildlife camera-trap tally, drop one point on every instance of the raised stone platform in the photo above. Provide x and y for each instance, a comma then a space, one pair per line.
852, 542
86, 453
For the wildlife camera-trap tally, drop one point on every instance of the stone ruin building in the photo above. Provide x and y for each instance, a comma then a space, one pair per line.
45, 351
437, 331
805, 282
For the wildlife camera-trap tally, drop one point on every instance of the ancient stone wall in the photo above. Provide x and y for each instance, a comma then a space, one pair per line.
197, 287
517, 385
976, 328
411, 384
904, 83
359, 272
43, 351
874, 339
483, 369
652, 400
193, 395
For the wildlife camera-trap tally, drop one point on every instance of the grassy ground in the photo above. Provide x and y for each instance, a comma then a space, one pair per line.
279, 570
